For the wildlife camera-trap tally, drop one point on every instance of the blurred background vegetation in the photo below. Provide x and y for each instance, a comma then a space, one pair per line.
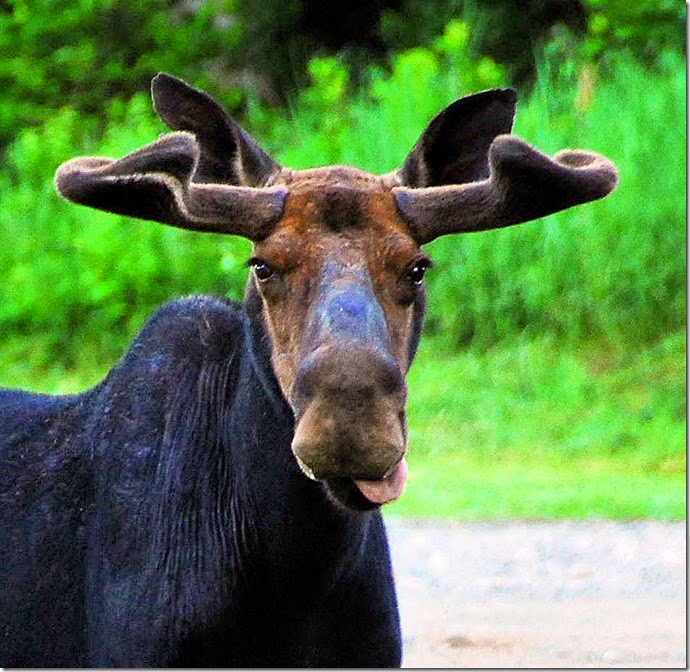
552, 377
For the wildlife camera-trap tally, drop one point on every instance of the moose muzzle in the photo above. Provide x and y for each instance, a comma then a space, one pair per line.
349, 394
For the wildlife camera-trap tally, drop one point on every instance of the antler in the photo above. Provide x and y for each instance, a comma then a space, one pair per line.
155, 183
182, 179
523, 185
211, 176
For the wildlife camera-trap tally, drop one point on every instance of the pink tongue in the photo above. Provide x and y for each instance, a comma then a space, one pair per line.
387, 489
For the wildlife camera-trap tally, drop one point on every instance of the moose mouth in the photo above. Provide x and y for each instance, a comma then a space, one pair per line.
365, 494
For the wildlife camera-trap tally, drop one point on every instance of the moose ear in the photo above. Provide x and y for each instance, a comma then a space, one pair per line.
454, 148
227, 154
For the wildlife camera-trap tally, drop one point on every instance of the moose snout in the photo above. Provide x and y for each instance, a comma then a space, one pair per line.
349, 373
350, 405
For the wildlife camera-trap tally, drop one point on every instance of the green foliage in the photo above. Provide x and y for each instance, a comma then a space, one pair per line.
376, 127
646, 29
454, 486
534, 399
77, 276
511, 33
85, 53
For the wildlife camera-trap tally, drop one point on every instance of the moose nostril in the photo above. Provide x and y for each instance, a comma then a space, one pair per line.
390, 378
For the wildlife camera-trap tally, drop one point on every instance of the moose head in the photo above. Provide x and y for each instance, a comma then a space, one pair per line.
337, 268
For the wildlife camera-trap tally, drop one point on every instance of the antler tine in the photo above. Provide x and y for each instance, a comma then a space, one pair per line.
523, 185
155, 182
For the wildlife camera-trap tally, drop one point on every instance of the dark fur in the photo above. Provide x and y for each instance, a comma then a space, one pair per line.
160, 519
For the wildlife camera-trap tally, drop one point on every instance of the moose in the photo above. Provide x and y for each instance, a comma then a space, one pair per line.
216, 499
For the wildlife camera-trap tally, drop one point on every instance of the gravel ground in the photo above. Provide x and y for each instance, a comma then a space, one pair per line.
563, 594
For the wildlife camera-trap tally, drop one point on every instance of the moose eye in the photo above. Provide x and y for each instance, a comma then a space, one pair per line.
261, 268
416, 272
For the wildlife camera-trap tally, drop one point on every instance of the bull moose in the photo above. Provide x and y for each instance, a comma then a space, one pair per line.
215, 500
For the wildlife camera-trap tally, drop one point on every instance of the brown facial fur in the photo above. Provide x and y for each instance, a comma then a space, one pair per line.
348, 216
344, 219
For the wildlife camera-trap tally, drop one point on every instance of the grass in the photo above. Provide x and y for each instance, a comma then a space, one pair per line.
533, 430
463, 488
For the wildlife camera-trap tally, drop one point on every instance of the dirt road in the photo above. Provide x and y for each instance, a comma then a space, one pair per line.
596, 594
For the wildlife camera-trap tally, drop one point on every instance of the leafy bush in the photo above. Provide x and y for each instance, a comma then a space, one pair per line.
375, 128
74, 276
646, 29
87, 53
78, 283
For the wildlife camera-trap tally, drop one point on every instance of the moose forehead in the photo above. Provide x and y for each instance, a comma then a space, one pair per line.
338, 209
